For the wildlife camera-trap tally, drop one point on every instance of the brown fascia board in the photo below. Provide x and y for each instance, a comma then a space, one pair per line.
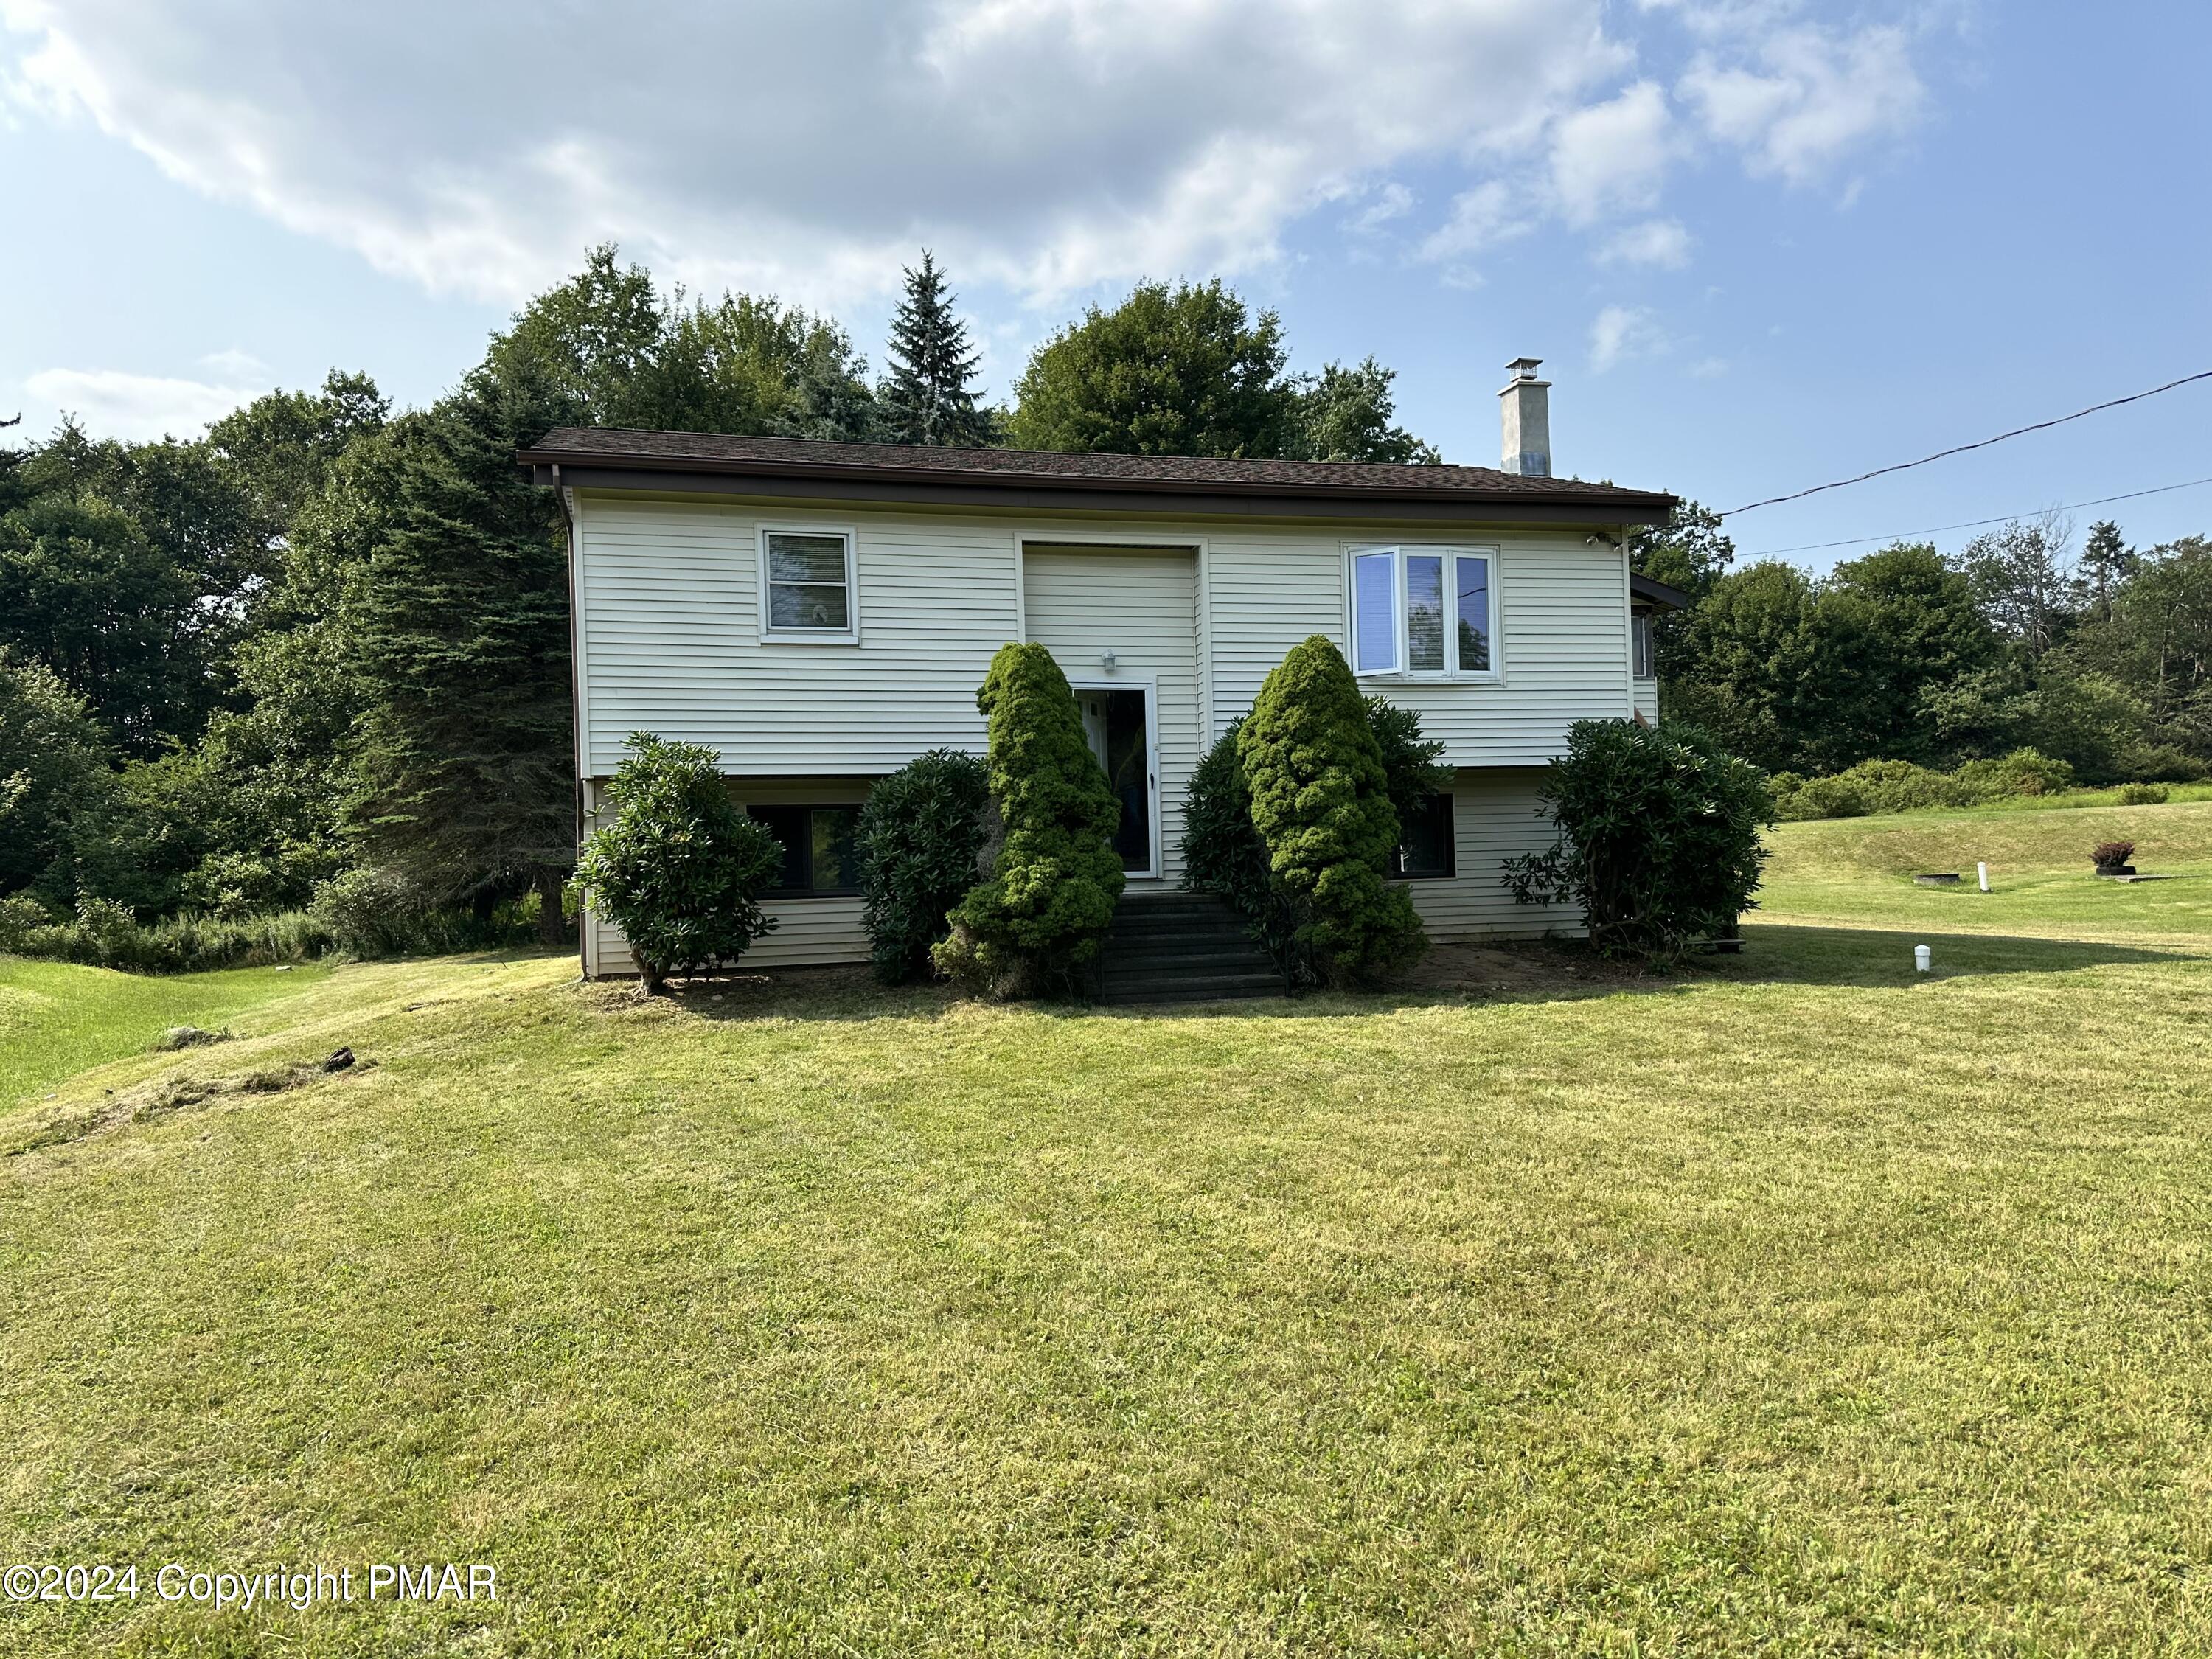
896, 488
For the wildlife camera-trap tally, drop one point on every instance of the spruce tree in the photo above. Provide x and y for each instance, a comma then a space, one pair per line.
928, 397
460, 624
2107, 561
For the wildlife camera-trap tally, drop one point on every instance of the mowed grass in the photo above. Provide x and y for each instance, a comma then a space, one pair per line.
56, 1018
1792, 1305
1858, 871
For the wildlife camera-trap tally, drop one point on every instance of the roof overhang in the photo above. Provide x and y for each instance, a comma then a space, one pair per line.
1657, 596
875, 484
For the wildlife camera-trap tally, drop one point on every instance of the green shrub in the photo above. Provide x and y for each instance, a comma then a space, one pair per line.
1039, 918
2143, 794
368, 912
21, 915
1659, 843
103, 934
1411, 772
679, 869
1895, 785
2158, 762
1224, 855
2023, 772
1321, 804
111, 937
1879, 785
920, 833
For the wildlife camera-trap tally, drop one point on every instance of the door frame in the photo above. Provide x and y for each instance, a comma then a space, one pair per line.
1150, 686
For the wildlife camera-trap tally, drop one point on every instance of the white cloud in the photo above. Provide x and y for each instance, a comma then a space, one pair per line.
1621, 332
114, 405
1807, 97
1046, 144
1612, 156
1392, 201
1662, 242
237, 365
1480, 218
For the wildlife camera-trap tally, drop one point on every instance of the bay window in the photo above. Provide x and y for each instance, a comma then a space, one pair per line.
1424, 610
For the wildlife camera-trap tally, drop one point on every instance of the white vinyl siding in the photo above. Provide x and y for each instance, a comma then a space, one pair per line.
669, 633
672, 598
1494, 817
1142, 603
1559, 654
809, 931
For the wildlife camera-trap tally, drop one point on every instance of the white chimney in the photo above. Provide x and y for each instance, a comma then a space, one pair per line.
1528, 420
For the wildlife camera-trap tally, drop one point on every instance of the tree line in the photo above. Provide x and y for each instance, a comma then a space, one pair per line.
330, 636
2100, 657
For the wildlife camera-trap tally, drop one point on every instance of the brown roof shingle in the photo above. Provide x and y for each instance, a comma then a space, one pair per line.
608, 447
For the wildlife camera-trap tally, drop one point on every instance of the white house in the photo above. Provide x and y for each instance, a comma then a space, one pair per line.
821, 613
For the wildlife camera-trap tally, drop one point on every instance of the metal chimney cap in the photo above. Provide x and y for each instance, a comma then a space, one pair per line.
1524, 369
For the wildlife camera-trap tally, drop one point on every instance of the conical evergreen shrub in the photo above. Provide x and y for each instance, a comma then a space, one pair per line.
1037, 919
1321, 801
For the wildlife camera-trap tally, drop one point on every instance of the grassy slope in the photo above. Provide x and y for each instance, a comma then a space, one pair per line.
1797, 1306
56, 1018
1859, 871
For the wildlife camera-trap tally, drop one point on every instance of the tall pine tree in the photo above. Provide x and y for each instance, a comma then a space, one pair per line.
928, 397
465, 749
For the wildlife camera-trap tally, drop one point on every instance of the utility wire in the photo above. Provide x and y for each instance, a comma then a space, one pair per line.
1961, 449
1973, 524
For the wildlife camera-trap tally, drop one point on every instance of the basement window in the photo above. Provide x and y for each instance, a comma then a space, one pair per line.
821, 849
806, 585
1426, 853
1423, 612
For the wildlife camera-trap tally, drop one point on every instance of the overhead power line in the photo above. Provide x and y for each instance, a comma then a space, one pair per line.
1961, 449
1973, 524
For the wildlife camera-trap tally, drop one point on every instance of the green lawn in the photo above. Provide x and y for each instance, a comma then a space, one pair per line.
1793, 1304
56, 1018
1859, 871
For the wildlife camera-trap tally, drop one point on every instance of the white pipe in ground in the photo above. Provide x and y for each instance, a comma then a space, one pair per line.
1983, 871
1921, 958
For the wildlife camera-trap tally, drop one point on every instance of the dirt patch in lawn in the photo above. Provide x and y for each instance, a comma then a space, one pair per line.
165, 1096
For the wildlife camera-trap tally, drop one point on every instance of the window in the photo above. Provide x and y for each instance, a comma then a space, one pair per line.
807, 579
1640, 647
1426, 852
821, 849
1423, 611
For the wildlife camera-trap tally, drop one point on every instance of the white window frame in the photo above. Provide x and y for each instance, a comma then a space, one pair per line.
848, 634
1643, 644
1399, 552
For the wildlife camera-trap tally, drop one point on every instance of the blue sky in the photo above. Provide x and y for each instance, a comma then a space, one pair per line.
1759, 245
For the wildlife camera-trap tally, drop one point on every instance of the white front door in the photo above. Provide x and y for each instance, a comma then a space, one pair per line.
1117, 724
1122, 624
